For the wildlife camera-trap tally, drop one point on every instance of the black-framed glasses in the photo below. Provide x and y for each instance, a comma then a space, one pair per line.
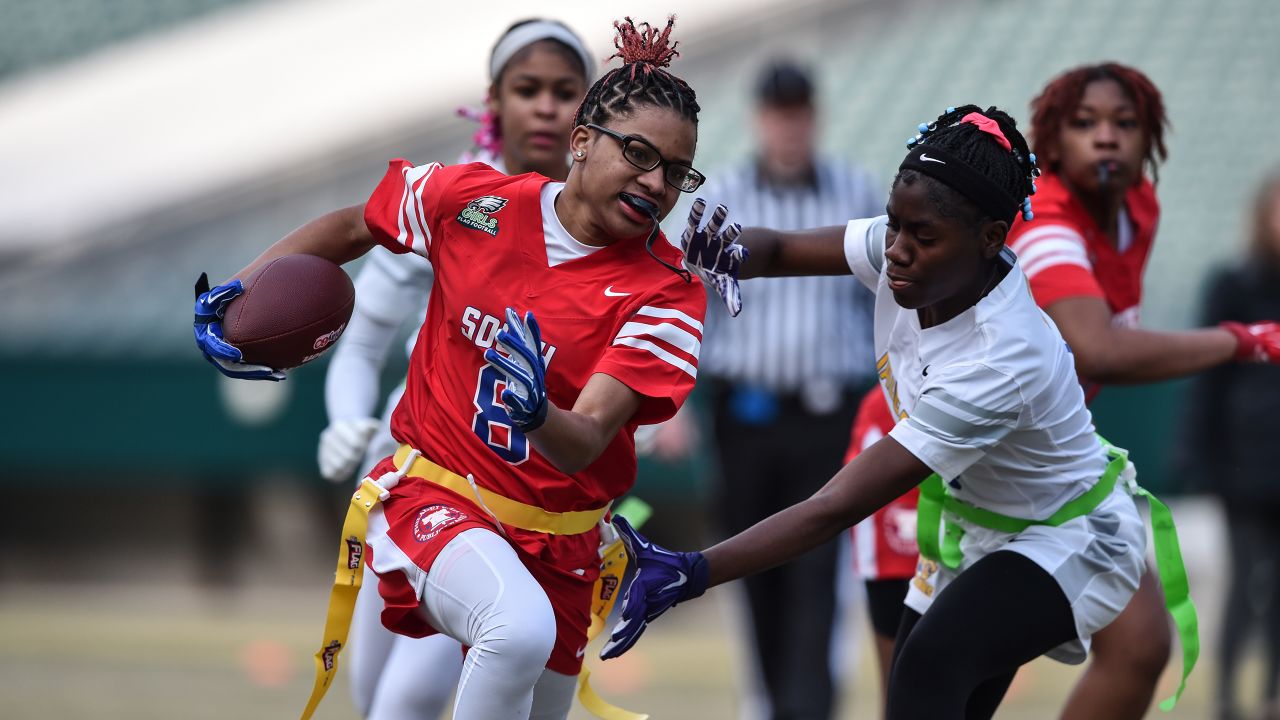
646, 157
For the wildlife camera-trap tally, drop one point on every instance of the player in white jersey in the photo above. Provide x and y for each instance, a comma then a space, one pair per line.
539, 70
1029, 537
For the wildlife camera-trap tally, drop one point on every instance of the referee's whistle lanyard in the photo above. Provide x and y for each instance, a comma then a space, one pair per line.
937, 510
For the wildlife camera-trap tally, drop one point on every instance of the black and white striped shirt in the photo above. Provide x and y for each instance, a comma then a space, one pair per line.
794, 333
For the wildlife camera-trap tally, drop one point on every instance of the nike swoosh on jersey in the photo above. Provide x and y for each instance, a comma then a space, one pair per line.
610, 293
924, 157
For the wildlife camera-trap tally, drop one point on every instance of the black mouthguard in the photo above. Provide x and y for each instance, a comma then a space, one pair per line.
644, 207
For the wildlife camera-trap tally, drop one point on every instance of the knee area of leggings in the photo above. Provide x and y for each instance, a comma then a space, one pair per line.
922, 655
524, 630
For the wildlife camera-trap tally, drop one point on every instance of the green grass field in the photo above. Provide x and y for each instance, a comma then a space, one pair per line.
135, 638
143, 652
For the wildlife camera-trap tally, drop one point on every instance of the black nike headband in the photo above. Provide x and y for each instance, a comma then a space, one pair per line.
956, 174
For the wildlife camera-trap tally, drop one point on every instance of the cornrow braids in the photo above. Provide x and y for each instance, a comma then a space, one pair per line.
642, 79
1062, 95
1003, 178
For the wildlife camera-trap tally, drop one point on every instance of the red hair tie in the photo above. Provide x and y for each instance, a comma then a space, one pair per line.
988, 126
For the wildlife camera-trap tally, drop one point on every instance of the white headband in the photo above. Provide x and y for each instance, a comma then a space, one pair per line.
532, 32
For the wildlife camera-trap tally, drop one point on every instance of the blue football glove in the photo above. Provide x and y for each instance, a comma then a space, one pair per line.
662, 579
713, 255
211, 306
526, 374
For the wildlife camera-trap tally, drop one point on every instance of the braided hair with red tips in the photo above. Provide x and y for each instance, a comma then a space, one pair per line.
642, 80
1060, 98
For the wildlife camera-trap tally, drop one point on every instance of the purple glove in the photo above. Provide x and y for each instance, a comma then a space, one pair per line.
713, 254
662, 579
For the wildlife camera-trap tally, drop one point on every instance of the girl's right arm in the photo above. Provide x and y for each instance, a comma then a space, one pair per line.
1107, 353
340, 236
818, 251
872, 480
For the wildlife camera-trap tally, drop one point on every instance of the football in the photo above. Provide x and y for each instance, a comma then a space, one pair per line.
292, 310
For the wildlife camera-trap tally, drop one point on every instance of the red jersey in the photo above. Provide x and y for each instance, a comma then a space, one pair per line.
884, 545
1064, 254
614, 311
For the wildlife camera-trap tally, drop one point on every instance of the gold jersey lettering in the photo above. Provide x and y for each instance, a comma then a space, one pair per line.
885, 371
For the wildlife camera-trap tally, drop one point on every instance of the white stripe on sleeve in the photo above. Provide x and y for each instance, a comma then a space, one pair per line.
669, 314
1045, 247
412, 214
864, 248
679, 363
667, 332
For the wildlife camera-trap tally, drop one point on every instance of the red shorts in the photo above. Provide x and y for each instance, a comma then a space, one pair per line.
421, 519
884, 544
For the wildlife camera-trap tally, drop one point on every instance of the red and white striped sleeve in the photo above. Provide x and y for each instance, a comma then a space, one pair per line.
403, 212
655, 353
1055, 260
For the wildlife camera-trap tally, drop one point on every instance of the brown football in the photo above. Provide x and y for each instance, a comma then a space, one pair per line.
292, 310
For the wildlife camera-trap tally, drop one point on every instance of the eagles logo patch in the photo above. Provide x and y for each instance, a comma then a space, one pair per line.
477, 214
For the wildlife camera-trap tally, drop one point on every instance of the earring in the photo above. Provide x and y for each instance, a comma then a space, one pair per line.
579, 154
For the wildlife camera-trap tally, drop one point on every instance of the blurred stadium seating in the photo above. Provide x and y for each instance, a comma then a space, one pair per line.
36, 33
115, 300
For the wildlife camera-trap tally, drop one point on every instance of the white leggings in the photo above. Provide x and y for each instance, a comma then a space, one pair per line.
394, 677
479, 593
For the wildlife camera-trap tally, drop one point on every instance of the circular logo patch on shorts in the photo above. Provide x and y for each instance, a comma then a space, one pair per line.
900, 529
433, 519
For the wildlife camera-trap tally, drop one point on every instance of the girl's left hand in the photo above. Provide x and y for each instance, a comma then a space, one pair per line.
524, 369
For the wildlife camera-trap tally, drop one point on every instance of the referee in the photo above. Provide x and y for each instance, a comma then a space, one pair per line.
785, 378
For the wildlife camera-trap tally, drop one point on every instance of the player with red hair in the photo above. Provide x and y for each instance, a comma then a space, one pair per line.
1099, 133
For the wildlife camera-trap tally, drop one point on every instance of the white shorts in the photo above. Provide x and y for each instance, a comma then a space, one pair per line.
1097, 560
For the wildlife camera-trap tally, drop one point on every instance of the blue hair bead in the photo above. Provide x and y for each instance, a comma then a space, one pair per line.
951, 109
923, 127
1033, 158
1033, 187
1028, 215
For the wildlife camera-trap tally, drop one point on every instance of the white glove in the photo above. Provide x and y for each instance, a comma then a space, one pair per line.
343, 445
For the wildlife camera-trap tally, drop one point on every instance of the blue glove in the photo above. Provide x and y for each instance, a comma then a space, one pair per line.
526, 374
662, 579
713, 255
211, 306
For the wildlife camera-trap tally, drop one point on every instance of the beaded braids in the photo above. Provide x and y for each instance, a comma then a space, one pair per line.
641, 80
1006, 174
1060, 98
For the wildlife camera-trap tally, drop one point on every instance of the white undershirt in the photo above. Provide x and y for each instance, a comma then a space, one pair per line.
561, 246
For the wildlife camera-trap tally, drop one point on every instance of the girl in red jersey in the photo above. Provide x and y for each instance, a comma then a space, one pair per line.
1098, 130
539, 71
516, 433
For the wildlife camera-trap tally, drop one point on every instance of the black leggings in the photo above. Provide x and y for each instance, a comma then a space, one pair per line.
957, 660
